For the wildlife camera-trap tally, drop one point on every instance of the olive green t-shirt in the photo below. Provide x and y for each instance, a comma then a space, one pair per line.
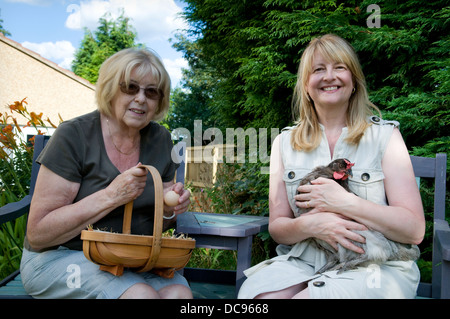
76, 151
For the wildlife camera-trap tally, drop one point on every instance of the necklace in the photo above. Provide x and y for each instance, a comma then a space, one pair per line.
115, 146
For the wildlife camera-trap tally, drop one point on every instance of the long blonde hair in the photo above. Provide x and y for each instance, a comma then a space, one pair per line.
307, 134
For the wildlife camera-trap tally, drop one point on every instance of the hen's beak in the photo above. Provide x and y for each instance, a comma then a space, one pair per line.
349, 172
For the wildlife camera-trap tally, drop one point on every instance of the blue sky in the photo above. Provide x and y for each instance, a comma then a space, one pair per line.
54, 28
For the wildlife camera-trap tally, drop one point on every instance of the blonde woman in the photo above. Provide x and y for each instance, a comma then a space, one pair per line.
89, 172
336, 120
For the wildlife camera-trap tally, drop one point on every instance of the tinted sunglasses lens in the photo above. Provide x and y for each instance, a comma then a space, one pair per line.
153, 93
130, 89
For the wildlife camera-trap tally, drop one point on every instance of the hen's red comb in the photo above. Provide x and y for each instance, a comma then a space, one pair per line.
349, 164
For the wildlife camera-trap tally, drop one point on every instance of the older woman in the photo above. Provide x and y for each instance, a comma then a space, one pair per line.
89, 171
336, 121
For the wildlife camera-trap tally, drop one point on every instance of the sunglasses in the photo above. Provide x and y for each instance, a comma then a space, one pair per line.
151, 92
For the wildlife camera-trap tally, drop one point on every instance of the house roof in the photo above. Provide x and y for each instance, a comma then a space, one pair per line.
47, 87
45, 61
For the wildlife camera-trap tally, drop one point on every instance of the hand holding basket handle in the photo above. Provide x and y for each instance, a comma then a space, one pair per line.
113, 252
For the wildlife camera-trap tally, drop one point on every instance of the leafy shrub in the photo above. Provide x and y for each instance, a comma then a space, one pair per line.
16, 153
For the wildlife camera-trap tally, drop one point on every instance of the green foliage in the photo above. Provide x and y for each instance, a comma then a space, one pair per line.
11, 243
16, 155
194, 100
110, 37
213, 259
250, 51
185, 108
2, 30
14, 185
240, 188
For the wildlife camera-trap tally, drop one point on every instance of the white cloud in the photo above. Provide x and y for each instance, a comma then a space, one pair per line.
86, 14
152, 19
155, 21
32, 2
174, 67
61, 52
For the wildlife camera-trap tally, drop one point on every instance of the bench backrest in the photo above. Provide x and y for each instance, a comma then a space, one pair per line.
435, 168
429, 167
39, 143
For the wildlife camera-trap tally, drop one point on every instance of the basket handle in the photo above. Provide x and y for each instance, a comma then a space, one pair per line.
158, 219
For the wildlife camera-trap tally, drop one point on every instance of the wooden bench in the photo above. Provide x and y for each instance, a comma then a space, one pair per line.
434, 168
224, 282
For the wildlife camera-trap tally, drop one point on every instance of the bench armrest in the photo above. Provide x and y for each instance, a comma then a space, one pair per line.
443, 242
442, 235
441, 260
14, 210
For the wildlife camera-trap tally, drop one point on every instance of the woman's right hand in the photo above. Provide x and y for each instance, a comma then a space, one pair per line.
128, 186
335, 229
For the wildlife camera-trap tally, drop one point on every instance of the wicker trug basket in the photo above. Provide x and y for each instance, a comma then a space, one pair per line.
114, 252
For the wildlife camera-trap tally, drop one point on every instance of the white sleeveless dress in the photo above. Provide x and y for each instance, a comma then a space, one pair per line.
298, 263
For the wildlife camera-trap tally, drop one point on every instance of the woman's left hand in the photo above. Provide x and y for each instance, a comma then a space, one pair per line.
324, 195
183, 201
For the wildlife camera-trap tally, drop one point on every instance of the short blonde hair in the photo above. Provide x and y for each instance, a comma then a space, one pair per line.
307, 134
118, 67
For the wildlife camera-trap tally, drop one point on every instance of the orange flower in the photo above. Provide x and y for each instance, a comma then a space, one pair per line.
18, 106
7, 129
7, 137
3, 139
36, 119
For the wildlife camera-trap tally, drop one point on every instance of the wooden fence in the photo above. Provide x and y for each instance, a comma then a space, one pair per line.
202, 163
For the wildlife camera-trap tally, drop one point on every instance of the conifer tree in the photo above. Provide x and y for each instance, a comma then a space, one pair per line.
251, 50
110, 37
